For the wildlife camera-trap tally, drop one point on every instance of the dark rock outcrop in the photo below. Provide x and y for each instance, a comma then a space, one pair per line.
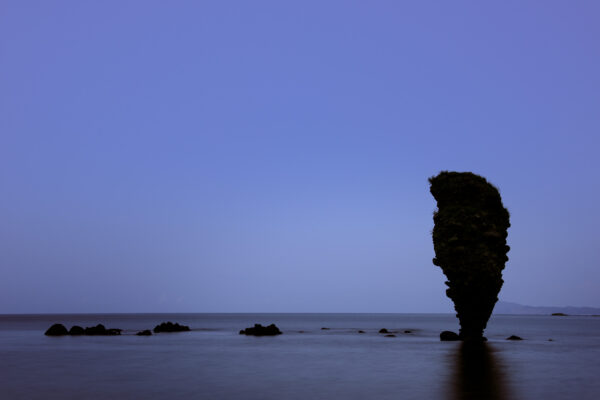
325, 329
361, 331
100, 330
408, 331
469, 239
449, 336
383, 330
146, 332
514, 337
95, 330
390, 335
259, 330
57, 330
559, 314
76, 330
170, 327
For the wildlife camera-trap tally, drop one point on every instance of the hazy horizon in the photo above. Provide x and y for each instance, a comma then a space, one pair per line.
274, 157
501, 304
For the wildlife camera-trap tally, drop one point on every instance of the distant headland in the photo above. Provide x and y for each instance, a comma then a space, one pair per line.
505, 307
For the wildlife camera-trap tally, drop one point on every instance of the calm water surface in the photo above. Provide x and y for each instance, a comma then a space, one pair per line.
214, 362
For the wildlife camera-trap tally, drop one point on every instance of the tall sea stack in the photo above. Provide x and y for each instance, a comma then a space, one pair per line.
469, 239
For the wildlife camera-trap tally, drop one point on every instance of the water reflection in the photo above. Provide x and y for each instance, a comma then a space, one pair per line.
477, 374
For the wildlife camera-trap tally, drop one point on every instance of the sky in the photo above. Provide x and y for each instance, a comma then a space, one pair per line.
269, 156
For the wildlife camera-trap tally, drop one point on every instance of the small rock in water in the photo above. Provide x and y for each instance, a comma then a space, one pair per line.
514, 337
170, 327
57, 330
361, 331
407, 331
390, 335
146, 332
259, 330
383, 330
325, 329
449, 336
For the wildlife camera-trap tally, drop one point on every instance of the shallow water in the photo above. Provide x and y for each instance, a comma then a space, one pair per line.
214, 362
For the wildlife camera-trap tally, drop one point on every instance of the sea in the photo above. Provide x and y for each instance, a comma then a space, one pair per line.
318, 356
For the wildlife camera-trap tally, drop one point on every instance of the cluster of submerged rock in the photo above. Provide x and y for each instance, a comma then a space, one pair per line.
256, 330
100, 330
272, 330
387, 333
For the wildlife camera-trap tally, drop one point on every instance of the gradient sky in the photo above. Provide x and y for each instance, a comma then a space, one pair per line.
273, 156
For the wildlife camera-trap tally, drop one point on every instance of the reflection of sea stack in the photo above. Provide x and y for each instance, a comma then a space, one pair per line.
469, 238
478, 374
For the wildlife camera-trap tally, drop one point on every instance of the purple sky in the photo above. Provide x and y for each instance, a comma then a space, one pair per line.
274, 156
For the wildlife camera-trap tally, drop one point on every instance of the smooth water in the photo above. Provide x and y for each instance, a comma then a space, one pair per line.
214, 362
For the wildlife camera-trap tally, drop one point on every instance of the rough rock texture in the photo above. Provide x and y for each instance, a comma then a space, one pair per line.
469, 238
259, 330
170, 327
57, 330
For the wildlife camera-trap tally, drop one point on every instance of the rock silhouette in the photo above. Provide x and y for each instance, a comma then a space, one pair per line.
170, 327
259, 330
57, 330
146, 332
514, 337
76, 330
449, 336
100, 330
469, 238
